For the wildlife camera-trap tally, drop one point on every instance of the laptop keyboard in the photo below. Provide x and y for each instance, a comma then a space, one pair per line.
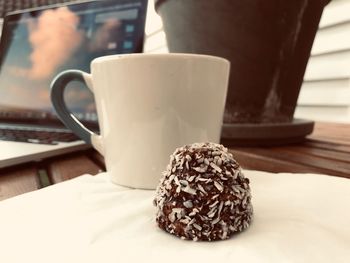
37, 136
7, 6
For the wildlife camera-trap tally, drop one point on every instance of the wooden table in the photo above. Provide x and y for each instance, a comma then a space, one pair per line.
325, 151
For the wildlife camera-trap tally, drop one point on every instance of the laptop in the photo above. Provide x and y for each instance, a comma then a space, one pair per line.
38, 43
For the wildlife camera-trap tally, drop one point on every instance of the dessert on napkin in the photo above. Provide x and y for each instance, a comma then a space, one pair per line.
203, 194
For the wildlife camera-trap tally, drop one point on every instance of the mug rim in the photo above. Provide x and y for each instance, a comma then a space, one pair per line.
158, 55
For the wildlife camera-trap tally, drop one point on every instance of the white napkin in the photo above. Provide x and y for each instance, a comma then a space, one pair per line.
297, 218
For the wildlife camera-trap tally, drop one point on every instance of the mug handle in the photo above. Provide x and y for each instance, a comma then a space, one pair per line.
58, 86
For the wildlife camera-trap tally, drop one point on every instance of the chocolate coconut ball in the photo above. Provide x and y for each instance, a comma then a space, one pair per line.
203, 194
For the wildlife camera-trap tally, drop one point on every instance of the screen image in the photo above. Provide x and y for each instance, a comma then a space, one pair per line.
37, 45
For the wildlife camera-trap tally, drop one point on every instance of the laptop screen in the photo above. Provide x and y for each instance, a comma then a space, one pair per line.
37, 45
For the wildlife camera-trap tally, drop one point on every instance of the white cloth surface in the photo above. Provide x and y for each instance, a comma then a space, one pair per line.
297, 218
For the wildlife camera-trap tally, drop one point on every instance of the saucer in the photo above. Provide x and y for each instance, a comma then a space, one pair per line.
266, 134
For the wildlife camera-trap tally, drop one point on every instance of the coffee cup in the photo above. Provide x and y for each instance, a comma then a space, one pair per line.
147, 105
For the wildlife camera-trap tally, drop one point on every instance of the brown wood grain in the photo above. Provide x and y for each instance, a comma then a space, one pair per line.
332, 132
19, 181
98, 159
327, 145
329, 154
326, 151
252, 161
69, 167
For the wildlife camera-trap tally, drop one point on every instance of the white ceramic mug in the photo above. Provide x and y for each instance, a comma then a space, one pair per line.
148, 105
